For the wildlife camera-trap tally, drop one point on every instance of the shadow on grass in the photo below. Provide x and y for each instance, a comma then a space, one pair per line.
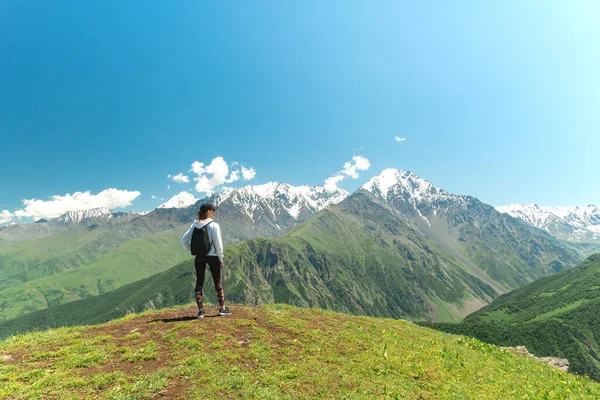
180, 319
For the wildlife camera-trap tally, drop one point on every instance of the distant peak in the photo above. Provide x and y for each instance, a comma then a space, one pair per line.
389, 172
181, 200
79, 215
270, 189
572, 222
89, 211
393, 182
277, 195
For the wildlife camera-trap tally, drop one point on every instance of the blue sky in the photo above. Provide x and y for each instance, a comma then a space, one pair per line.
500, 101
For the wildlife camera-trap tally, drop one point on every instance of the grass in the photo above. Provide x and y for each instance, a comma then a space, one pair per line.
271, 352
445, 313
556, 316
560, 310
498, 315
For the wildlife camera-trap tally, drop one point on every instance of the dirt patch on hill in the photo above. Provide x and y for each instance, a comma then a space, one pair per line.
168, 328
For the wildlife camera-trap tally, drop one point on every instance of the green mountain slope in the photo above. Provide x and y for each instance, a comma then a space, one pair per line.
586, 249
510, 251
274, 352
42, 271
502, 250
505, 249
446, 257
18, 233
55, 253
555, 316
134, 260
360, 257
68, 250
365, 259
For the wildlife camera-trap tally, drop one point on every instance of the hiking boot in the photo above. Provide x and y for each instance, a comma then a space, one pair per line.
200, 314
224, 311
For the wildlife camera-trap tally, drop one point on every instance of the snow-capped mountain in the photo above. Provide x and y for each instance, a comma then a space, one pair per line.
393, 183
492, 244
7, 225
411, 194
266, 210
571, 223
75, 217
275, 199
180, 200
95, 216
139, 213
251, 211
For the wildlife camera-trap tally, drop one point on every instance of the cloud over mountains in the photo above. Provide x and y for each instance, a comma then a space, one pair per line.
58, 205
351, 168
209, 177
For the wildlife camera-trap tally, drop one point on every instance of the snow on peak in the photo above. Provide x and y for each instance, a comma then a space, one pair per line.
393, 183
579, 219
140, 213
12, 223
181, 200
80, 215
530, 213
275, 196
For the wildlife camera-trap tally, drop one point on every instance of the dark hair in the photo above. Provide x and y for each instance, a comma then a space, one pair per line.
204, 209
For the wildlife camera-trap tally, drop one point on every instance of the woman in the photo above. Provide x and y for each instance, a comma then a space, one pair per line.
214, 258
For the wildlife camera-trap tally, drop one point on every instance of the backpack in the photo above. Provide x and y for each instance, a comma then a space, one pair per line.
200, 244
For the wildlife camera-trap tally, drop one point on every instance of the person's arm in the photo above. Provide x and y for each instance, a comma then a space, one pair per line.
218, 241
186, 239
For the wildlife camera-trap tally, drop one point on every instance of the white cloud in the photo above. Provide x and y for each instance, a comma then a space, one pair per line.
248, 173
153, 196
399, 139
58, 205
351, 168
168, 187
235, 176
217, 173
360, 164
179, 178
5, 216
331, 183
197, 168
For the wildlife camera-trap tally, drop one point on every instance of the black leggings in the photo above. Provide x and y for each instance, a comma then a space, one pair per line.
215, 270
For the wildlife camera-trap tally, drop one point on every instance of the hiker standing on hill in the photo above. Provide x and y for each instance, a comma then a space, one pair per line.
203, 240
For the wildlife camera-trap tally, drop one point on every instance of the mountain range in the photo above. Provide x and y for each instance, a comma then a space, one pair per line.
503, 251
92, 216
341, 259
91, 252
578, 224
399, 247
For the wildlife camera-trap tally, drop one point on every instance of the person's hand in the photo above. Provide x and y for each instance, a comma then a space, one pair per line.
221, 264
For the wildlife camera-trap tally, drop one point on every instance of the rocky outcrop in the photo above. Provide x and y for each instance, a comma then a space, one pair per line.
560, 363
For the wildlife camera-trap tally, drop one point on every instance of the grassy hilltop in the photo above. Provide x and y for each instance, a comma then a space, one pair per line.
271, 352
